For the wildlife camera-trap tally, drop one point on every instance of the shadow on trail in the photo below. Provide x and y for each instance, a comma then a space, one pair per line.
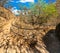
52, 42
32, 46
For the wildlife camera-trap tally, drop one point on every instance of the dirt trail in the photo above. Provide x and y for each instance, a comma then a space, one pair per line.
18, 37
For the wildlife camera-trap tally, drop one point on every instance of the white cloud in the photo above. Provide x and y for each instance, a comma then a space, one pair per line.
24, 1
15, 11
13, 8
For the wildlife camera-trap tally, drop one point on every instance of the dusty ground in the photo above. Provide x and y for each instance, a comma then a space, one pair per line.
18, 37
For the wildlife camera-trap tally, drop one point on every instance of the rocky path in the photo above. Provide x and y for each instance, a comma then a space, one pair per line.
18, 37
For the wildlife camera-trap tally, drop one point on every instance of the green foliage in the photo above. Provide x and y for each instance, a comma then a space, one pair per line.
37, 8
50, 10
37, 14
42, 12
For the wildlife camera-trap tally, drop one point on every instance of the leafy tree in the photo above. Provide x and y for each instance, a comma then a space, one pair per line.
37, 14
37, 7
42, 12
50, 9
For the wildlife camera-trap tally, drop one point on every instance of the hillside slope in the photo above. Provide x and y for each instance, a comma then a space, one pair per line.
18, 37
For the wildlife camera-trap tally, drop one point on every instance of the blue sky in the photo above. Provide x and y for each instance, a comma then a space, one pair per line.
15, 3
